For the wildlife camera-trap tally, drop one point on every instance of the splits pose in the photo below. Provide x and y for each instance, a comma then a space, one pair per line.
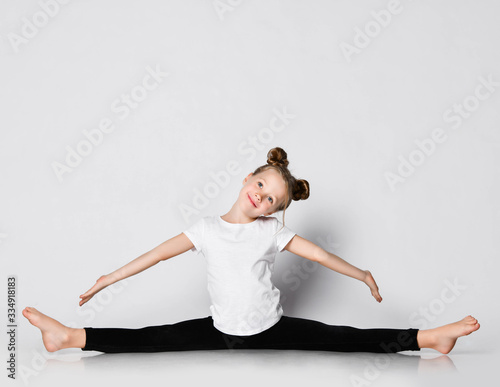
240, 249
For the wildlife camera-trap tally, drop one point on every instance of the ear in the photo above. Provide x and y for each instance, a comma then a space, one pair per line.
246, 178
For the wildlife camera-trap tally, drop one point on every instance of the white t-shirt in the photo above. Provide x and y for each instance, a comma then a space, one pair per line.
240, 261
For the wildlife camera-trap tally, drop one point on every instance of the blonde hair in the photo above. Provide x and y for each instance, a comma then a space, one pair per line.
296, 189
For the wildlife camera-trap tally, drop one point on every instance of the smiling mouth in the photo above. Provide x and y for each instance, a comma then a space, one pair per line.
251, 201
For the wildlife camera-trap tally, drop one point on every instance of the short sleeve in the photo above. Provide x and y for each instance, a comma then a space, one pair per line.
283, 236
195, 233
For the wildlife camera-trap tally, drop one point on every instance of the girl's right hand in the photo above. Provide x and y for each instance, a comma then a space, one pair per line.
100, 284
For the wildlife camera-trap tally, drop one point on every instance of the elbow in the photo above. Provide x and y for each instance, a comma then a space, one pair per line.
157, 255
162, 257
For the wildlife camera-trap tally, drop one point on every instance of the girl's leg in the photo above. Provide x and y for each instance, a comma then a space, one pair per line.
288, 333
197, 334
303, 334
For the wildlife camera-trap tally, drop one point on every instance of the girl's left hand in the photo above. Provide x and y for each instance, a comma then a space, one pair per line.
100, 284
372, 285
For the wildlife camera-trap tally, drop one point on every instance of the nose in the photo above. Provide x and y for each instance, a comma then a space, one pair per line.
257, 197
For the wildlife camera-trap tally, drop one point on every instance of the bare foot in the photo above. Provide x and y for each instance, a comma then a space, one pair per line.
55, 335
445, 337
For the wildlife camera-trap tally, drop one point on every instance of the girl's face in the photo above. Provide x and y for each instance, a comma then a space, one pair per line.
262, 193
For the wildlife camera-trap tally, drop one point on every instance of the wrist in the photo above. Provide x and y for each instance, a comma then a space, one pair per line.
111, 278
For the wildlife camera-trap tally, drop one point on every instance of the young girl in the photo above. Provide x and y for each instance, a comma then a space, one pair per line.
240, 248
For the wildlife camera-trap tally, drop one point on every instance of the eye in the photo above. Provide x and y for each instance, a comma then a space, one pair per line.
268, 196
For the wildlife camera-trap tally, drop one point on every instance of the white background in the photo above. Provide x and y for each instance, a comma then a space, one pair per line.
229, 69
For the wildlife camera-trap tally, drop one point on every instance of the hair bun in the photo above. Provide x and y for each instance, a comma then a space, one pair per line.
301, 190
277, 156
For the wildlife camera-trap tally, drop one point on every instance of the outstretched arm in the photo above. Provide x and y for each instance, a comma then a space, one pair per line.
168, 249
311, 251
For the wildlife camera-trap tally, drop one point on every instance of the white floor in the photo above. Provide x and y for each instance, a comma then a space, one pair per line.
73, 367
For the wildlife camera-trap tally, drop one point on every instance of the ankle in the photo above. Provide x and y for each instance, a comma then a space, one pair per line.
426, 338
76, 338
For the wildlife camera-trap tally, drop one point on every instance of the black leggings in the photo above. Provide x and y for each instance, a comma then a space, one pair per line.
287, 333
